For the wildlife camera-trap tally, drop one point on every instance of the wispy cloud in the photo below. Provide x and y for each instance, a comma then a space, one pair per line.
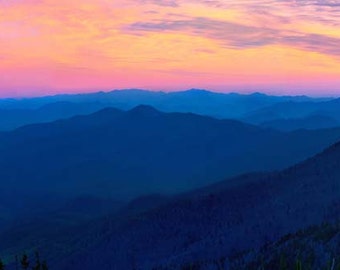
230, 34
123, 41
166, 3
239, 36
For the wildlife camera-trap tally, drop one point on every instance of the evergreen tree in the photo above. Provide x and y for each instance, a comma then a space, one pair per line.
2, 265
283, 262
16, 262
298, 264
24, 262
37, 265
44, 266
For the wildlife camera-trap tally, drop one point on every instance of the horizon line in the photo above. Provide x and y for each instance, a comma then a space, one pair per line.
164, 91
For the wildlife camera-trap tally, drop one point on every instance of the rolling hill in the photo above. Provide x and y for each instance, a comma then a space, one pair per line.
224, 220
143, 151
315, 247
212, 227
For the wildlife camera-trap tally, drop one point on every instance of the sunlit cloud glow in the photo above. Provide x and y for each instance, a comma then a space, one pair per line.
49, 46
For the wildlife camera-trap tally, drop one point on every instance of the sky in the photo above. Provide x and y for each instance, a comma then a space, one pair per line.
274, 46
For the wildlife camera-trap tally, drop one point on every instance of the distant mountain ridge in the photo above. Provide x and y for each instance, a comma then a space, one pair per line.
309, 122
293, 110
139, 96
18, 112
14, 118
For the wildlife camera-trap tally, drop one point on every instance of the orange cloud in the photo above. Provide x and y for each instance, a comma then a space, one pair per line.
50, 46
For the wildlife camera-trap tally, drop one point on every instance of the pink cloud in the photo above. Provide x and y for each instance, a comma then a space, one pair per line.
48, 45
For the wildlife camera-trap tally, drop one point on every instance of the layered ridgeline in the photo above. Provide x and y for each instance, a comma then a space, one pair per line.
296, 115
13, 118
224, 219
18, 112
127, 154
221, 226
308, 122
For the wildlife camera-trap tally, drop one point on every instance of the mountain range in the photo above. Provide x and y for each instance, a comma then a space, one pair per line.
252, 107
130, 153
211, 227
98, 181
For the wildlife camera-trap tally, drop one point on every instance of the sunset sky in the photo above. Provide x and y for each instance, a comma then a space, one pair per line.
275, 46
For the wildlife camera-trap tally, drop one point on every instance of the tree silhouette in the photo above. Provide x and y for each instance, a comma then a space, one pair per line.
24, 262
2, 265
37, 265
44, 265
16, 262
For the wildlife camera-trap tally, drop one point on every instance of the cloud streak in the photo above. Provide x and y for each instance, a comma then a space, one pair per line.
238, 36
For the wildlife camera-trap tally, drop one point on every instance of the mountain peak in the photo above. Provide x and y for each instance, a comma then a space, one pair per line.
197, 91
258, 94
144, 110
